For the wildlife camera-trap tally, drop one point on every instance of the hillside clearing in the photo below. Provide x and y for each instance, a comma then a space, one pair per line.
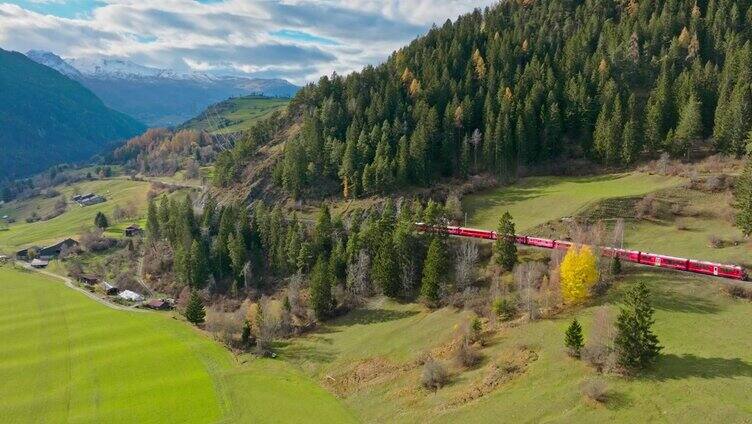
537, 200
236, 114
65, 358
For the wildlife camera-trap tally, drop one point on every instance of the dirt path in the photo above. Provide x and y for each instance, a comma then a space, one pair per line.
72, 285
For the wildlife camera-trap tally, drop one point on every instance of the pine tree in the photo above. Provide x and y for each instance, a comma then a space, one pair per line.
100, 220
743, 199
385, 271
573, 339
321, 289
504, 247
152, 222
689, 128
322, 232
635, 342
199, 265
236, 248
434, 269
194, 311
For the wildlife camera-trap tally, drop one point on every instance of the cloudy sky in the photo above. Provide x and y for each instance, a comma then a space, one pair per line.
294, 39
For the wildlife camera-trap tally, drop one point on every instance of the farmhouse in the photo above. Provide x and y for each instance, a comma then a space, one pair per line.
88, 199
88, 279
55, 250
132, 231
109, 288
159, 304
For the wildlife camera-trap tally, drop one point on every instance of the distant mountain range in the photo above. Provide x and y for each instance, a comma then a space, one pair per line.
157, 97
47, 118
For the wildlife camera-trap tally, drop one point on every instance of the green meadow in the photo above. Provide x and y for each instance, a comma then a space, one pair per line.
536, 200
236, 114
75, 219
66, 358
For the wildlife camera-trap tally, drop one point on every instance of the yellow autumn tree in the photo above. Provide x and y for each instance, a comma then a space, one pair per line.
480, 64
578, 273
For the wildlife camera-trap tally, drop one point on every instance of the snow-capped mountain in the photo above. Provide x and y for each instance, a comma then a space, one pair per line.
53, 61
157, 97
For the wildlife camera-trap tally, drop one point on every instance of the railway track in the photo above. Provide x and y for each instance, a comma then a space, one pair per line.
728, 271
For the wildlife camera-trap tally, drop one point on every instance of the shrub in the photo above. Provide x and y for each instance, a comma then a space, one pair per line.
595, 389
504, 309
466, 355
738, 290
715, 241
434, 375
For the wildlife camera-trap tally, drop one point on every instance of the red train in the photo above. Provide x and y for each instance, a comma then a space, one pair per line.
734, 272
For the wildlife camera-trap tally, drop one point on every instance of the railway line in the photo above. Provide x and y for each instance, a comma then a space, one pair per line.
729, 271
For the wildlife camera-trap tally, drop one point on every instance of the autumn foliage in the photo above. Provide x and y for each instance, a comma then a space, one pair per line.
579, 273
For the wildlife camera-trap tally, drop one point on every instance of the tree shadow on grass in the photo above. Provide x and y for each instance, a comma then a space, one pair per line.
682, 302
617, 400
371, 316
299, 352
675, 367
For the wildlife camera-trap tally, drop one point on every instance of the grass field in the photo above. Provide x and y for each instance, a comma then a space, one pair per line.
70, 223
705, 369
235, 115
537, 200
65, 358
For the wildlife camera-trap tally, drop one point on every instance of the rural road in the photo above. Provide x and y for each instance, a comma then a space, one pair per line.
72, 285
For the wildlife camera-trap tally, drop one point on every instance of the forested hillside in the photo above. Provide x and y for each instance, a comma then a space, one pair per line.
523, 84
47, 118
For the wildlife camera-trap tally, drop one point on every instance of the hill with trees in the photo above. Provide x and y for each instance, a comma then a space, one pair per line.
47, 118
517, 86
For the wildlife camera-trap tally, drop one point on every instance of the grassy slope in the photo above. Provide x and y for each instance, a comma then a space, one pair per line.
664, 235
536, 200
705, 370
66, 358
236, 115
117, 191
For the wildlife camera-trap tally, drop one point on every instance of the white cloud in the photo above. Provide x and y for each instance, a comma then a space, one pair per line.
294, 39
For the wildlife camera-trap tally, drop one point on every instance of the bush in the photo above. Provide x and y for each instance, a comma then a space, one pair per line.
504, 309
435, 375
715, 241
466, 355
738, 290
595, 389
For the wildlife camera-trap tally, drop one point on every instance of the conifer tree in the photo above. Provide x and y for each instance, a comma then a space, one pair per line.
199, 265
236, 248
635, 342
100, 220
194, 311
689, 128
385, 271
573, 339
152, 222
504, 247
433, 271
321, 289
743, 199
322, 233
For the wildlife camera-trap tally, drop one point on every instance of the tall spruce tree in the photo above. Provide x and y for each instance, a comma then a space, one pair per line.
743, 199
504, 247
321, 289
385, 271
194, 311
434, 271
573, 339
152, 222
635, 342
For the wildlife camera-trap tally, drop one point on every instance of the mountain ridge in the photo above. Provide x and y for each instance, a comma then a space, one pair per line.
141, 91
48, 118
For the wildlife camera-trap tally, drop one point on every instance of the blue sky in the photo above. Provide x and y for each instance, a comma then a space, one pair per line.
294, 39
